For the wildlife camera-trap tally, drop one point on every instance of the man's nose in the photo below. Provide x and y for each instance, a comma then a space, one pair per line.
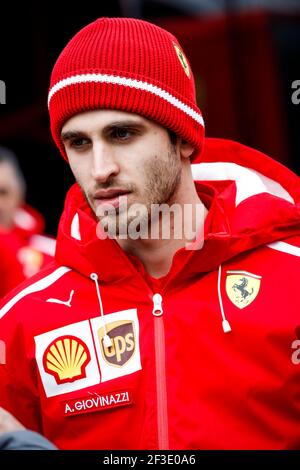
104, 164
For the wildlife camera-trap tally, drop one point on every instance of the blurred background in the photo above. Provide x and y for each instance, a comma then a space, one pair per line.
245, 55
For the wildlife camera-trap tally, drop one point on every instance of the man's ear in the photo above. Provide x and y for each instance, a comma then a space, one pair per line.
186, 149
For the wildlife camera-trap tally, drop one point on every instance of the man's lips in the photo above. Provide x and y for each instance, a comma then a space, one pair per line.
110, 197
109, 193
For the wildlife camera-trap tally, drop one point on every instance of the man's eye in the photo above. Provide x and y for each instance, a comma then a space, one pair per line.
121, 134
77, 143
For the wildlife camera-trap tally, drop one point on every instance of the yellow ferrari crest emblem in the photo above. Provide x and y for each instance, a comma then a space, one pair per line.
242, 287
182, 59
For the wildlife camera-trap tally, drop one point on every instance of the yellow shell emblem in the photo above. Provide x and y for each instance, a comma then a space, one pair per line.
66, 359
182, 59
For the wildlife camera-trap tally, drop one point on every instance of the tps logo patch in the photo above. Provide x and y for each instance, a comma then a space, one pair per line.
123, 357
123, 339
242, 287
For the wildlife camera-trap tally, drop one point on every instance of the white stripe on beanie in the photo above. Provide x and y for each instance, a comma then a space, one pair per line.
133, 83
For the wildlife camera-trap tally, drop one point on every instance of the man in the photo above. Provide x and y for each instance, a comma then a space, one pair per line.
23, 249
142, 336
13, 436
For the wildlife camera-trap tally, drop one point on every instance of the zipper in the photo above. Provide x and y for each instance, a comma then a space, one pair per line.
160, 370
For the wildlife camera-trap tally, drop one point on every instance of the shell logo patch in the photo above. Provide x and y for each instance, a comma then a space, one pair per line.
66, 359
242, 287
74, 357
182, 59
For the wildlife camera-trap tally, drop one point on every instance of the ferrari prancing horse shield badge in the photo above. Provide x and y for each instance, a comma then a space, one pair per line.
242, 287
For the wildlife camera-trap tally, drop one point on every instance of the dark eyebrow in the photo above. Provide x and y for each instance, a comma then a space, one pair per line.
70, 135
123, 125
128, 123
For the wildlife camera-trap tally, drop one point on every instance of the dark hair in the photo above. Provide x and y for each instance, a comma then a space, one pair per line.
173, 137
8, 156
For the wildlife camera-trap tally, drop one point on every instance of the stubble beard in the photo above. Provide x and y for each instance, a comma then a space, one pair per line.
162, 179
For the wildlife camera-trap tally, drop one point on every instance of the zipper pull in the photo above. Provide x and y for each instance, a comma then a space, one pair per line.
157, 308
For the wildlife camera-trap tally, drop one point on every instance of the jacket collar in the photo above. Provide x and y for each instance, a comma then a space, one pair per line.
247, 208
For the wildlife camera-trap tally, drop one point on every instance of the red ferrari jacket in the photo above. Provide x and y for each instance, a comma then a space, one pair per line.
97, 355
23, 249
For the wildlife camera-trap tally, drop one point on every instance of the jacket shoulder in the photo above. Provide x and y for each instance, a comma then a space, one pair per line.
32, 288
290, 246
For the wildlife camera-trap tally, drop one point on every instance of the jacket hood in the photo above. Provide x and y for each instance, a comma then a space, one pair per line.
252, 200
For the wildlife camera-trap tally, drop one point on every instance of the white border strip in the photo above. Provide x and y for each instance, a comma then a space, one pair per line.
285, 248
246, 273
37, 286
248, 181
132, 83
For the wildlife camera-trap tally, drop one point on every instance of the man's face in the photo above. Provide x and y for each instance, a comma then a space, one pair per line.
120, 159
10, 194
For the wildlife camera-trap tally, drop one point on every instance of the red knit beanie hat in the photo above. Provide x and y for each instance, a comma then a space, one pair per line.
129, 65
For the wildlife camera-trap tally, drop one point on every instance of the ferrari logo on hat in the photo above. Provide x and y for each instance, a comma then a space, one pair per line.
242, 287
182, 59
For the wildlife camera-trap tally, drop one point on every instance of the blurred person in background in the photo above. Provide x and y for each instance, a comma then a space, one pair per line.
23, 248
